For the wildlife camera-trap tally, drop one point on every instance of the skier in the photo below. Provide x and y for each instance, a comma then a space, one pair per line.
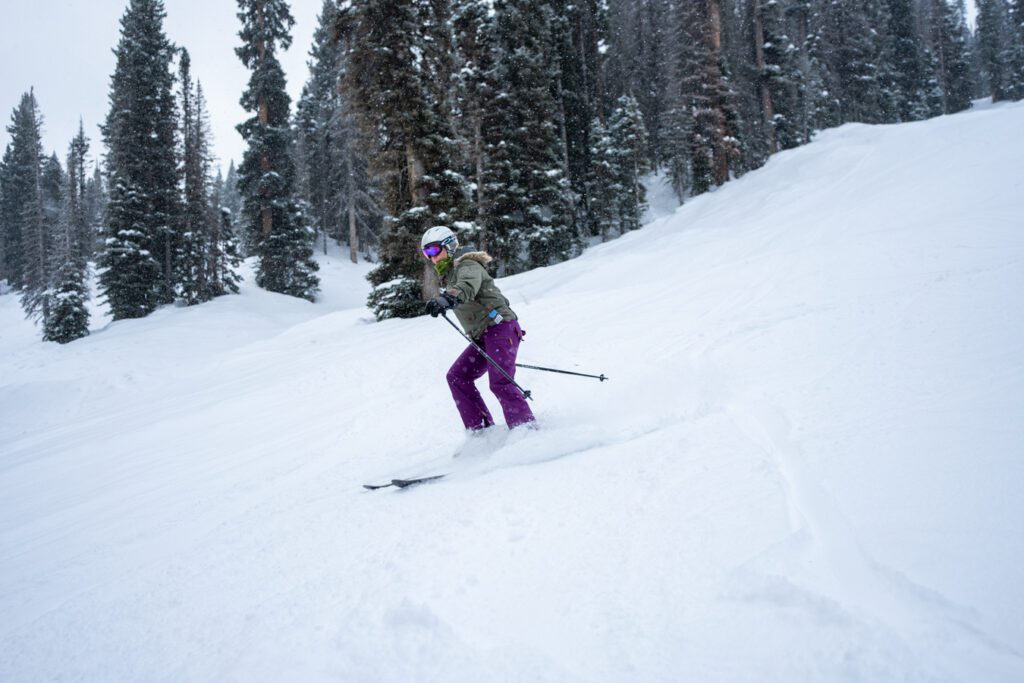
485, 315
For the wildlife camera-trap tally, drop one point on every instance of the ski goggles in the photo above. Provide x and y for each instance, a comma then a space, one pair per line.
432, 249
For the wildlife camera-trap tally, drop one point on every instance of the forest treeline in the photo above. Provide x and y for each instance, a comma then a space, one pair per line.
527, 126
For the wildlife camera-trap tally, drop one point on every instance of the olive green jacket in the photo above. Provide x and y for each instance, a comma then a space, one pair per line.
470, 283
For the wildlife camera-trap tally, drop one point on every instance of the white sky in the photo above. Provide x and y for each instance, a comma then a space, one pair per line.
64, 49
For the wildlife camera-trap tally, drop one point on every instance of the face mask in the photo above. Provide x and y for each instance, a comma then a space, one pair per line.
443, 266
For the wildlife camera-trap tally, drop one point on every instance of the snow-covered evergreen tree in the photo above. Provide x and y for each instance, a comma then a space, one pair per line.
194, 241
652, 89
531, 206
68, 313
82, 236
229, 197
95, 207
909, 62
629, 144
387, 79
950, 46
4, 216
473, 25
67, 317
42, 232
317, 140
30, 232
823, 102
850, 52
605, 194
883, 50
1014, 57
994, 38
580, 33
704, 97
10, 225
780, 79
278, 229
335, 179
393, 72
637, 62
225, 254
137, 262
675, 126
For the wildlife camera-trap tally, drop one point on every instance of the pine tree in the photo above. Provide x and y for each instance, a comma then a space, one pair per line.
629, 141
824, 106
675, 126
909, 62
200, 219
30, 232
82, 236
852, 60
22, 202
335, 179
393, 72
474, 30
653, 87
222, 252
993, 33
531, 212
96, 200
10, 238
780, 80
42, 230
883, 51
316, 138
949, 44
225, 255
279, 234
137, 262
637, 62
67, 317
1014, 54
192, 244
602, 183
705, 99
230, 198
578, 31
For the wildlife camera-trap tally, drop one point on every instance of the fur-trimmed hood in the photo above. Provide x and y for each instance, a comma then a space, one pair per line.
481, 257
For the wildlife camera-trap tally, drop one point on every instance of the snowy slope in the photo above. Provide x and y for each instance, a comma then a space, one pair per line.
806, 466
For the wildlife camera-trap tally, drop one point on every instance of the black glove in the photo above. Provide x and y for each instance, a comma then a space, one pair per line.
436, 307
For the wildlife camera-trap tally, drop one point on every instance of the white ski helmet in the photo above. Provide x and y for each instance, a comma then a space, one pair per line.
440, 234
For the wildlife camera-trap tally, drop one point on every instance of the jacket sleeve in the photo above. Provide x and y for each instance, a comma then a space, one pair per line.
469, 278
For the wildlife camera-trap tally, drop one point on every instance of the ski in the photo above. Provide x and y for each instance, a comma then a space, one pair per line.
403, 483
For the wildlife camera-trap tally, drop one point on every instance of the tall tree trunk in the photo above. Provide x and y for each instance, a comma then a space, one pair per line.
478, 152
767, 110
414, 171
266, 213
721, 154
350, 191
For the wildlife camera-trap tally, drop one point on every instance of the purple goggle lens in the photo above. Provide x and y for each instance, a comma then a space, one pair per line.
432, 249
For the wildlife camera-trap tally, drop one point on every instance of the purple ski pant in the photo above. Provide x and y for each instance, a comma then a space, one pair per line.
501, 342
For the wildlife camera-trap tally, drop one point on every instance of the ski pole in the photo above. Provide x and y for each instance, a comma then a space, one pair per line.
525, 392
564, 372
